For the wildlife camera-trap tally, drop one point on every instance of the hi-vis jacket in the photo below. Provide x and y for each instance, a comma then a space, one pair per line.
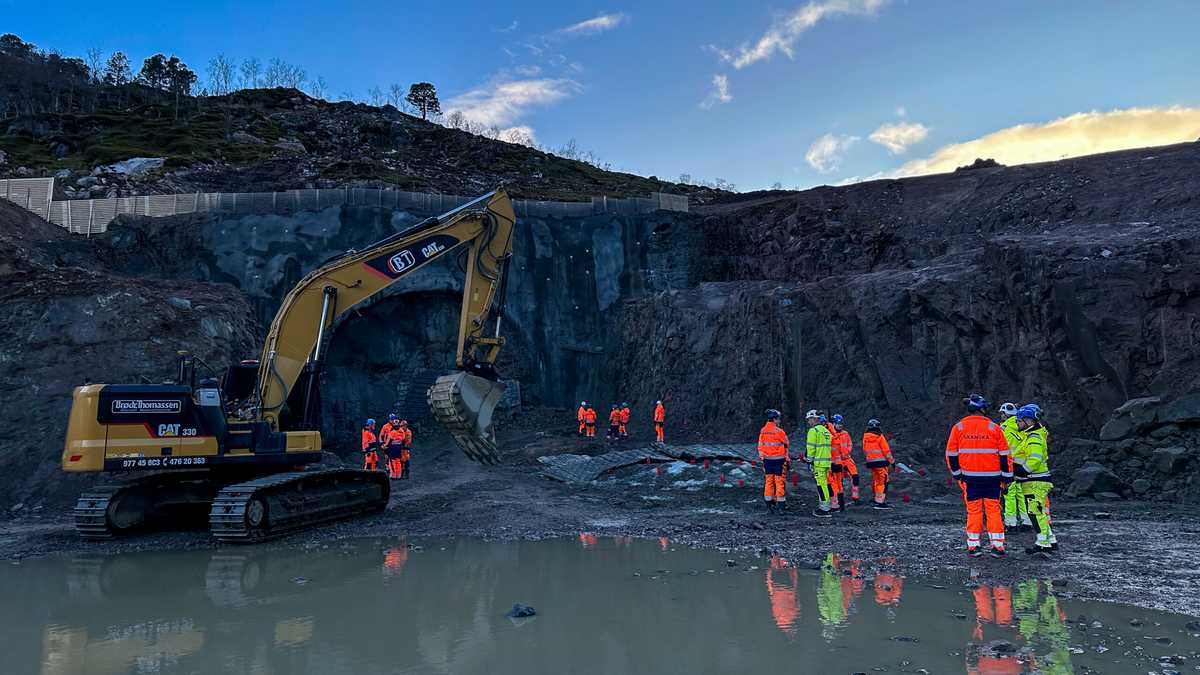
978, 451
818, 445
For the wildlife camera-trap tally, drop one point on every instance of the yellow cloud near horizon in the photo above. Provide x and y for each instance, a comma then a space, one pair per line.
1085, 133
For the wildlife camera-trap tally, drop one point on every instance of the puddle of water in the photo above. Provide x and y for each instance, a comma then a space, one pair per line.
604, 605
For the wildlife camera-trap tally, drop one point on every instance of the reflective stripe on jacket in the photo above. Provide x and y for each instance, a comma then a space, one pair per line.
876, 449
772, 441
1033, 459
818, 445
976, 449
660, 413
368, 439
842, 446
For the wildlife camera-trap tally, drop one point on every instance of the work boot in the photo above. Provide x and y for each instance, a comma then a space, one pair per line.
997, 552
822, 513
1054, 547
1026, 523
882, 506
974, 551
1039, 551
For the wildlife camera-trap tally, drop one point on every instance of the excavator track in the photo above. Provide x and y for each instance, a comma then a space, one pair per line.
278, 504
467, 414
109, 511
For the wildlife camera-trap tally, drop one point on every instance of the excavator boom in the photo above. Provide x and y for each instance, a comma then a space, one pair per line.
462, 401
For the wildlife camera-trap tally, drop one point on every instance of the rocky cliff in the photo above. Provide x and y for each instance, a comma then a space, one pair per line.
1074, 284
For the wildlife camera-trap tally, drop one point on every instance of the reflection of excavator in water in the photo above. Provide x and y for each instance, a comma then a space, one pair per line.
236, 448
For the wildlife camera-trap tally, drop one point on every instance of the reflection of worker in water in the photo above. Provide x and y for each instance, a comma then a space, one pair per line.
888, 584
587, 540
830, 602
853, 583
782, 582
1043, 624
992, 605
394, 559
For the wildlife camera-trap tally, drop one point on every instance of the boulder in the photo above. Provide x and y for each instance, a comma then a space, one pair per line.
1092, 479
292, 147
1165, 432
246, 138
87, 181
62, 173
1170, 460
1141, 486
134, 165
1108, 497
3, 158
1182, 410
1116, 428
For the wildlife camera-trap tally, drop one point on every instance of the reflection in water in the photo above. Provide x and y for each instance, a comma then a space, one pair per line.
782, 582
604, 605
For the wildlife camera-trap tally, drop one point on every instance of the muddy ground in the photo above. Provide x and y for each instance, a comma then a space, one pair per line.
1142, 553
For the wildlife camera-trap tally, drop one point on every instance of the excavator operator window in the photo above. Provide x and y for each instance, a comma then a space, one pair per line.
240, 380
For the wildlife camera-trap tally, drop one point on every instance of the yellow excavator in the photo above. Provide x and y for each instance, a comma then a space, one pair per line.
237, 446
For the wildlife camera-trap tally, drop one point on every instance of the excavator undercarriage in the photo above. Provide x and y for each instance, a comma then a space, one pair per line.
233, 452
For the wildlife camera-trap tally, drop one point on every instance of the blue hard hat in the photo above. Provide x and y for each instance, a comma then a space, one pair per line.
823, 419
976, 402
1028, 411
773, 414
392, 417
370, 421
837, 419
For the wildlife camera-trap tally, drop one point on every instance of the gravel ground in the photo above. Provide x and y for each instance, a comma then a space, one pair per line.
1140, 553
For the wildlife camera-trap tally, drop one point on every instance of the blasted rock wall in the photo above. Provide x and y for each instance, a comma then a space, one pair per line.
569, 279
1075, 284
67, 319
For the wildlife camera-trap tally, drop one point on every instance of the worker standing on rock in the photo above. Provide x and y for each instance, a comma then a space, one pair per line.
817, 453
370, 446
978, 457
773, 447
879, 461
660, 421
625, 414
614, 422
843, 447
581, 415
1032, 473
1014, 505
589, 418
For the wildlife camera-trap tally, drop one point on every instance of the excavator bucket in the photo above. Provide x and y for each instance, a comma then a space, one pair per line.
463, 404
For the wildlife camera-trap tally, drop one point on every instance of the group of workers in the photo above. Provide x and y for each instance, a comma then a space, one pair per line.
829, 450
394, 440
1002, 468
618, 421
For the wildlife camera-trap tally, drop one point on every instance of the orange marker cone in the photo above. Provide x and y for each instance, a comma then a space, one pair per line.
741, 483
707, 464
658, 470
721, 479
904, 498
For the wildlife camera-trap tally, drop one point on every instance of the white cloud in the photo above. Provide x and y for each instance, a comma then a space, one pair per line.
782, 34
509, 28
901, 111
522, 133
719, 94
1085, 133
528, 71
597, 24
501, 103
825, 154
899, 136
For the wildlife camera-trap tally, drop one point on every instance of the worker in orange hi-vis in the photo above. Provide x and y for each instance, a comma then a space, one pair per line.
843, 448
625, 414
370, 446
773, 448
589, 419
614, 423
405, 449
581, 415
660, 421
879, 461
979, 459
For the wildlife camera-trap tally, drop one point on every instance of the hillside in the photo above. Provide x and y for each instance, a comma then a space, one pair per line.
277, 139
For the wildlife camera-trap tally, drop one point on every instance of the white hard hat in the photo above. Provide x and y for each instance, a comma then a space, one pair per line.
1008, 409
812, 414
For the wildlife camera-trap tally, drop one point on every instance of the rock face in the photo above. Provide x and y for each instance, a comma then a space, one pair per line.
1074, 284
1092, 479
65, 319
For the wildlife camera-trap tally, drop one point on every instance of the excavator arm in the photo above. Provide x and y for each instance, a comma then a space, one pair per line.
292, 356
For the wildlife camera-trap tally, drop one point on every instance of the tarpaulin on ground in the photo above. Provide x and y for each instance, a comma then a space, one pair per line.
585, 468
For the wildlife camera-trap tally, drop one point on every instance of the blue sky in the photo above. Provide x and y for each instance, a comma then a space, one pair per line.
811, 92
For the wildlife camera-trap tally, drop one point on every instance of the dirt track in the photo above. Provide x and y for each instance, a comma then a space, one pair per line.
1144, 555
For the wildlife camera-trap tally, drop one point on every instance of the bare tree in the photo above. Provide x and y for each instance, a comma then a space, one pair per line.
294, 76
569, 151
518, 136
375, 94
777, 185
318, 87
456, 120
220, 75
251, 68
95, 60
685, 178
396, 95
346, 95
